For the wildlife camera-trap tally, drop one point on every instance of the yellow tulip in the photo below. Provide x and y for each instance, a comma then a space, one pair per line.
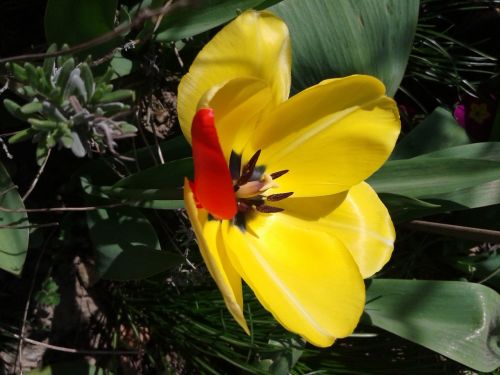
278, 198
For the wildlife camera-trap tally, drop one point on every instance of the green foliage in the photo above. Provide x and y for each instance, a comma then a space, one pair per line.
48, 293
68, 106
455, 178
76, 21
192, 17
68, 103
14, 230
338, 38
127, 245
439, 130
456, 319
440, 56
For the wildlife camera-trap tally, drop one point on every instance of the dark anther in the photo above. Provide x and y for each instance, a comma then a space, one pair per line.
278, 197
239, 221
275, 175
248, 169
268, 209
255, 201
235, 165
244, 206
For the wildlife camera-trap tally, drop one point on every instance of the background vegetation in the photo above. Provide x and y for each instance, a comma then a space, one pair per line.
99, 272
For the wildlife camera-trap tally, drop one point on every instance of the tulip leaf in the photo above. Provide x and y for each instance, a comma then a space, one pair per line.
126, 244
98, 171
14, 233
428, 177
402, 208
459, 320
483, 151
439, 130
191, 17
157, 187
168, 176
77, 21
443, 195
342, 37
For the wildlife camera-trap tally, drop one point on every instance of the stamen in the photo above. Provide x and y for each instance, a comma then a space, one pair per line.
275, 175
278, 197
235, 165
268, 209
248, 170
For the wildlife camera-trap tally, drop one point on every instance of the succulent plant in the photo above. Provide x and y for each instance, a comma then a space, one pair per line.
68, 106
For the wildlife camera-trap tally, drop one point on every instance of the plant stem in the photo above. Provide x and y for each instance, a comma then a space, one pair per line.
457, 231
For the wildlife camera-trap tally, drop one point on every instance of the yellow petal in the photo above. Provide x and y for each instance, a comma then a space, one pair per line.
255, 44
330, 137
306, 279
238, 105
358, 218
212, 249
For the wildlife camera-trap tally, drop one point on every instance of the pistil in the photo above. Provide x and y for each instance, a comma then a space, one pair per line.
250, 187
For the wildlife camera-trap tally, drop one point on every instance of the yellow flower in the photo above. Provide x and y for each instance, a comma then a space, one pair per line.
278, 197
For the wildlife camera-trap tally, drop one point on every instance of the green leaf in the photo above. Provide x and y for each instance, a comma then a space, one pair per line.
158, 187
117, 95
342, 37
192, 17
439, 130
14, 109
168, 178
14, 233
472, 196
404, 208
31, 108
132, 197
18, 71
428, 177
456, 319
121, 66
483, 151
77, 21
22, 135
127, 245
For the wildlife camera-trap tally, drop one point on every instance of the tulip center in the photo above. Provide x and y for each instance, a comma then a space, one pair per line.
251, 185
229, 192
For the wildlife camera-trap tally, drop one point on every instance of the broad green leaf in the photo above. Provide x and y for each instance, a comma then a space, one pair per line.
485, 194
121, 66
14, 227
439, 130
77, 21
459, 320
168, 177
132, 197
427, 177
127, 245
404, 208
98, 172
191, 17
480, 195
156, 187
342, 37
483, 151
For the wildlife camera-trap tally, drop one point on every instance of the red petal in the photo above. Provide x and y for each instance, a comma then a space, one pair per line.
212, 179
